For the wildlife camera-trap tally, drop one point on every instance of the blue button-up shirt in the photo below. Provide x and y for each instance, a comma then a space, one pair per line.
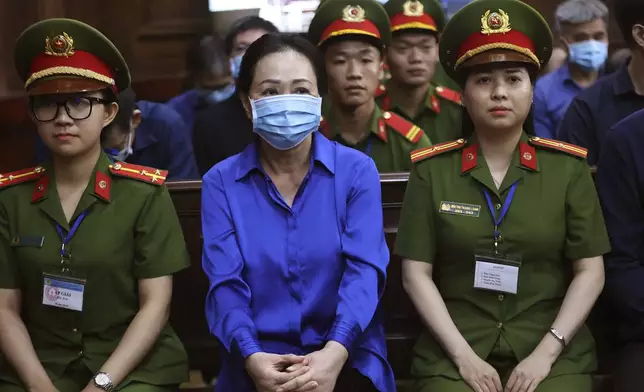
288, 279
596, 109
620, 184
552, 95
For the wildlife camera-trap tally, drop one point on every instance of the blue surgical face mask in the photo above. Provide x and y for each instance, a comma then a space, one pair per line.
235, 65
284, 121
122, 154
222, 94
590, 55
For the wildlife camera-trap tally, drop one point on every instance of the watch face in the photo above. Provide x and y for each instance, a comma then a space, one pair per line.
102, 379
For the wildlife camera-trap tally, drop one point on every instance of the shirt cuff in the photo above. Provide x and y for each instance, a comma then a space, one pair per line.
247, 343
344, 333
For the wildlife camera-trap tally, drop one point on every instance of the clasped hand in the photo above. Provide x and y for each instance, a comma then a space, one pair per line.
317, 371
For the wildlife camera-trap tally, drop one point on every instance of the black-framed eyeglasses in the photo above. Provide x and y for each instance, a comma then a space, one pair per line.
78, 108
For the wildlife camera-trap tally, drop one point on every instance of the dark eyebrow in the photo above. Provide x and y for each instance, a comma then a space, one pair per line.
514, 70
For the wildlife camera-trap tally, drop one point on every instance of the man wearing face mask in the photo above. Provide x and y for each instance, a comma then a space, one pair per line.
222, 130
210, 79
584, 33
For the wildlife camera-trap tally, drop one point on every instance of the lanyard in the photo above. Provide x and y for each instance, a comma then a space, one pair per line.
504, 211
367, 149
66, 238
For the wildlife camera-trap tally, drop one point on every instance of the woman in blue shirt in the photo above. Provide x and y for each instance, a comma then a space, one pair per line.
294, 244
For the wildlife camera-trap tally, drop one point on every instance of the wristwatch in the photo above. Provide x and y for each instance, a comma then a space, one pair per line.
104, 381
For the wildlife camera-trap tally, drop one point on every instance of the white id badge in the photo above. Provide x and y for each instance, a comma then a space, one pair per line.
63, 292
496, 273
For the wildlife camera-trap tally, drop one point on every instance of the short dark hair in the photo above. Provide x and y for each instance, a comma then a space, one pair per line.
628, 13
276, 43
208, 55
244, 24
127, 104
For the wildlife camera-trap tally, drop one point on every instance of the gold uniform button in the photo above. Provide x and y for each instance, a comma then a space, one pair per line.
501, 297
499, 325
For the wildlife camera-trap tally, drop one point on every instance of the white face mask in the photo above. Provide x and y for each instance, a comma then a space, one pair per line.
126, 151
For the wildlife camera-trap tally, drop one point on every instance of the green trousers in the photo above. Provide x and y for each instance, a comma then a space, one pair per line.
503, 360
76, 378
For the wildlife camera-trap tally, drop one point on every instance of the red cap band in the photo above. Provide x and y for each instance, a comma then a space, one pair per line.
402, 22
512, 40
82, 64
341, 27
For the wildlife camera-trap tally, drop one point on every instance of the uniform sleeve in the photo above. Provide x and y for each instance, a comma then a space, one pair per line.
543, 124
183, 165
416, 234
423, 142
577, 127
585, 229
228, 299
160, 246
621, 198
8, 268
366, 254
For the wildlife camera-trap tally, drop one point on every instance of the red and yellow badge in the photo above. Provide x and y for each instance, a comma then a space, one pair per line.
141, 173
60, 45
353, 14
413, 8
495, 22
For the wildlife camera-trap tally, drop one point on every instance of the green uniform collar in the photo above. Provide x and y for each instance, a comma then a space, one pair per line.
331, 129
389, 101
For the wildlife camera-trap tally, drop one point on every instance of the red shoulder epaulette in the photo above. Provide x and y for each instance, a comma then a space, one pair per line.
20, 176
560, 146
381, 90
449, 94
410, 131
137, 172
437, 149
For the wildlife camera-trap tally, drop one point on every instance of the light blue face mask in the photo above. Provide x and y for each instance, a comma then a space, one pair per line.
590, 55
222, 94
284, 121
235, 65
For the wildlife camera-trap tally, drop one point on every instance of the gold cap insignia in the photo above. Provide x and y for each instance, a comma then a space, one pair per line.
495, 22
413, 8
353, 13
60, 45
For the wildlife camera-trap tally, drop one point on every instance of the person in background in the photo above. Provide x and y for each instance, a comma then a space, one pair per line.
223, 130
612, 98
583, 27
501, 232
147, 134
210, 79
620, 184
353, 36
294, 243
88, 247
413, 58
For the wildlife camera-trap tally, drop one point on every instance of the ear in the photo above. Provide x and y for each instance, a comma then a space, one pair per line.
246, 102
638, 34
136, 119
111, 110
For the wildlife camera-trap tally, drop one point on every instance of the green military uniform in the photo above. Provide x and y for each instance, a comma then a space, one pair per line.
553, 218
440, 116
78, 301
389, 143
391, 137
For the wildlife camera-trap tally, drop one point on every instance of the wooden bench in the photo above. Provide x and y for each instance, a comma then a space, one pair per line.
402, 323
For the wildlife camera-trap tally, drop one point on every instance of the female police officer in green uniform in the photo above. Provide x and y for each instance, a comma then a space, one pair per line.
508, 225
87, 246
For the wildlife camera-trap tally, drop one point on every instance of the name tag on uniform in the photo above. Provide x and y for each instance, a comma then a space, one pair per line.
496, 273
63, 292
33, 241
450, 207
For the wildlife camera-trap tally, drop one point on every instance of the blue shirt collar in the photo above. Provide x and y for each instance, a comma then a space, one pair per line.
323, 152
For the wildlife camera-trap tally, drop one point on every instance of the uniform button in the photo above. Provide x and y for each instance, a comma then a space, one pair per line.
501, 297
80, 354
499, 325
498, 206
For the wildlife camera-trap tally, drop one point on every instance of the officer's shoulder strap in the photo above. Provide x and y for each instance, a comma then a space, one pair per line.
437, 149
381, 90
407, 129
559, 146
449, 94
137, 172
20, 176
